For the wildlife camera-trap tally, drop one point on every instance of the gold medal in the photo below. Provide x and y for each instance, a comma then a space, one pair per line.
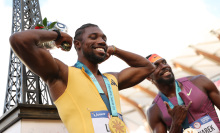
190, 130
116, 125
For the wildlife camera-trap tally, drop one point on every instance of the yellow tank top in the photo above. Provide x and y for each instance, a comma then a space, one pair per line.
80, 99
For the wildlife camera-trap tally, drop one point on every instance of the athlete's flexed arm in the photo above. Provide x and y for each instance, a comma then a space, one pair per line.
39, 60
139, 69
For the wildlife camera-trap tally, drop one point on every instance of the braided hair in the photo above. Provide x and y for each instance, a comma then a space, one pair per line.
81, 30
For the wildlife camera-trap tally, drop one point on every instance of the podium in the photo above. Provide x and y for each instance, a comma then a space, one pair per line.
29, 118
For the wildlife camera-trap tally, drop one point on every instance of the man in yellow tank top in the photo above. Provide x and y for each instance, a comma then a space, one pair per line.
86, 99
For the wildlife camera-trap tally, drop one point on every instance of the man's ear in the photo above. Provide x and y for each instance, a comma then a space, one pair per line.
77, 44
149, 79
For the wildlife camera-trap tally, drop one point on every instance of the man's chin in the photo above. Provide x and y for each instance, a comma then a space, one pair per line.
96, 59
166, 80
99, 60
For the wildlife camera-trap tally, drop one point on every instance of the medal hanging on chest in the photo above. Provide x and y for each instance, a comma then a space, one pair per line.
116, 125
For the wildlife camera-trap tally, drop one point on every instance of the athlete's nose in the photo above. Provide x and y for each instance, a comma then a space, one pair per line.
101, 41
162, 66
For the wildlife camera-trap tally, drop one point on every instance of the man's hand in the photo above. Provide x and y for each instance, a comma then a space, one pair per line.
65, 38
110, 51
178, 113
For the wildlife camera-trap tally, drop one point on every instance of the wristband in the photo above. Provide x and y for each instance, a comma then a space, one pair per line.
114, 50
58, 34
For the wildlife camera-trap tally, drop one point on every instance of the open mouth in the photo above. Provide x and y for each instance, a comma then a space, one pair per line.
100, 49
165, 72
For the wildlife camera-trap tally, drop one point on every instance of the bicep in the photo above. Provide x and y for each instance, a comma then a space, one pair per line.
213, 94
211, 90
132, 76
42, 63
38, 60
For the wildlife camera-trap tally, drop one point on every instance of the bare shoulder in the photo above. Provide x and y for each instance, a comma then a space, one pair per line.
115, 74
197, 77
152, 107
202, 82
201, 79
153, 112
155, 119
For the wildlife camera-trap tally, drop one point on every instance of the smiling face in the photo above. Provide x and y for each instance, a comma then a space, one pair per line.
163, 73
94, 45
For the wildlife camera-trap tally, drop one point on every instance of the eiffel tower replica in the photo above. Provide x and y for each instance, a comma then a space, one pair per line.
27, 96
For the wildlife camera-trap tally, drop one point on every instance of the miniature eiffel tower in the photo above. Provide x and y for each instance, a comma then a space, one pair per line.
28, 106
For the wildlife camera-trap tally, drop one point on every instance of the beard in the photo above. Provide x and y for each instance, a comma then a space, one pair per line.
92, 57
166, 81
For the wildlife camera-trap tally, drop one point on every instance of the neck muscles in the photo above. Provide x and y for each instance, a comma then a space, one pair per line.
168, 90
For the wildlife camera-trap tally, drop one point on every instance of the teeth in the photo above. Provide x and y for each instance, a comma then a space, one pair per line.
166, 73
100, 49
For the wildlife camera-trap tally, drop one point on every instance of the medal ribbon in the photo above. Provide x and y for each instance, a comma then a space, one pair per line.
112, 109
185, 123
